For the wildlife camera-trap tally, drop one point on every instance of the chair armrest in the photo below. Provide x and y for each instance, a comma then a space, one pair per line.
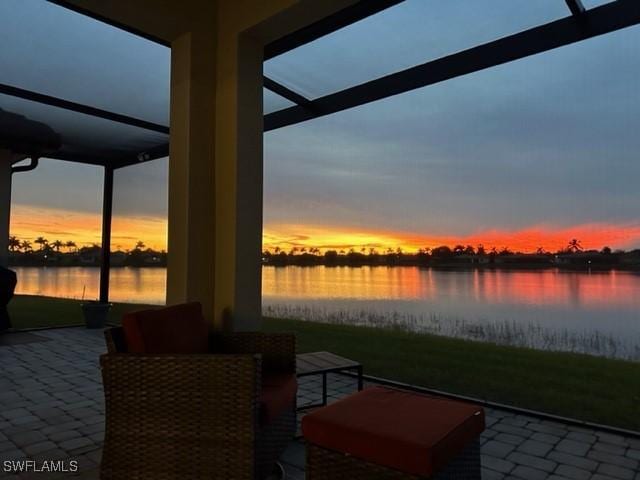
114, 337
192, 410
278, 350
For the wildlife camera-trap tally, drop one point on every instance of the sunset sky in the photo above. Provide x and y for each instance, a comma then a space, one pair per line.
525, 155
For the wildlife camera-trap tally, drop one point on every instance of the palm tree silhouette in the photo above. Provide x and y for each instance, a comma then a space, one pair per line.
41, 241
26, 246
56, 245
71, 244
140, 245
574, 246
14, 243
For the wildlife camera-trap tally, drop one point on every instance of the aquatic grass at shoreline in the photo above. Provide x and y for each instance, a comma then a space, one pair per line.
508, 333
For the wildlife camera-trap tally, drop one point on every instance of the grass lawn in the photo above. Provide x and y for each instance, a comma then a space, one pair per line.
31, 311
580, 386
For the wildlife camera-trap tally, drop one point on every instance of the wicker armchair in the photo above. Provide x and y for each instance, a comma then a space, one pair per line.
195, 416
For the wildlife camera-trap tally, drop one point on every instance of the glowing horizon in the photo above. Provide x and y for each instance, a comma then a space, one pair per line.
527, 240
30, 222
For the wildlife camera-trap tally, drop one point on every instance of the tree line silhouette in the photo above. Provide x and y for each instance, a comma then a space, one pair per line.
573, 255
69, 253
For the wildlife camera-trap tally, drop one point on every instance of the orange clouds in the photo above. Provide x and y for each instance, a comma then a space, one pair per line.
28, 223
591, 236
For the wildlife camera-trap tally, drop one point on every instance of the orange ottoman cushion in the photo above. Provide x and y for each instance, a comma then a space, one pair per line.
176, 329
413, 433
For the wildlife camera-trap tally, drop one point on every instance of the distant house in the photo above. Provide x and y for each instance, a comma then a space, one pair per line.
630, 259
89, 256
466, 258
528, 259
584, 260
151, 260
118, 258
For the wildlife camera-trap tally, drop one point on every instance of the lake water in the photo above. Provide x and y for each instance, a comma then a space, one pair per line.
596, 312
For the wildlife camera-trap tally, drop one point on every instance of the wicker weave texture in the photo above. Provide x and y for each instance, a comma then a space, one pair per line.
323, 464
272, 440
172, 417
187, 416
278, 350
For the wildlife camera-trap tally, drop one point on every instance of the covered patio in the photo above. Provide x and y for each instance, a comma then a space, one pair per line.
222, 100
218, 106
52, 407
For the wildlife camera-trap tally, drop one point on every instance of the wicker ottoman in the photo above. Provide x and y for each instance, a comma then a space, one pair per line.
384, 433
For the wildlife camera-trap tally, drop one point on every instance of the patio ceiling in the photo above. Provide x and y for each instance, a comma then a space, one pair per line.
324, 77
95, 94
107, 102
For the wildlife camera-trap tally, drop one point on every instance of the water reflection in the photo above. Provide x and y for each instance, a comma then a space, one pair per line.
547, 287
137, 285
578, 301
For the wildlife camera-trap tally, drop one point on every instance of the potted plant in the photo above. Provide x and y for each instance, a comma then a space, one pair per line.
95, 313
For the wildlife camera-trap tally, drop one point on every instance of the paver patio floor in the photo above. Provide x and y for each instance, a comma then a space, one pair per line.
51, 408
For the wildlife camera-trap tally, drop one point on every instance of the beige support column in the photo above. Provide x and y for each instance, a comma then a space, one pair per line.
192, 221
249, 184
215, 167
215, 177
239, 182
5, 206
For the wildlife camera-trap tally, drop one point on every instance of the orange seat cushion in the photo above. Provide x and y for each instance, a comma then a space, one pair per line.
176, 329
413, 433
277, 395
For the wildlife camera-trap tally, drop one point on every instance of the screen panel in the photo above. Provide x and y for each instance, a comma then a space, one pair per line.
272, 102
400, 37
55, 51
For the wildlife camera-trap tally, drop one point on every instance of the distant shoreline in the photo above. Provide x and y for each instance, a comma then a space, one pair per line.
438, 267
442, 258
449, 260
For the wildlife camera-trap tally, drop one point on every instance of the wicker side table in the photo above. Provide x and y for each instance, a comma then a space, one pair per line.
387, 434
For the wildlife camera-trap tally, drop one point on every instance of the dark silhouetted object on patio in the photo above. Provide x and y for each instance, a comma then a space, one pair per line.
181, 402
8, 281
